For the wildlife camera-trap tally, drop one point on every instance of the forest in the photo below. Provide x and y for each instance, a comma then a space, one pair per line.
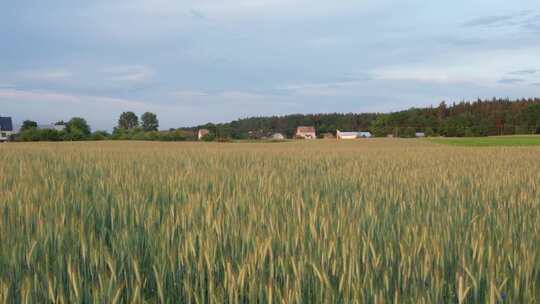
463, 119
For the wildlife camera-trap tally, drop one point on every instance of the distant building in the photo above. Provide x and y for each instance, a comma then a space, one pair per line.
305, 133
365, 134
57, 127
6, 128
277, 136
346, 135
352, 135
420, 134
202, 133
328, 136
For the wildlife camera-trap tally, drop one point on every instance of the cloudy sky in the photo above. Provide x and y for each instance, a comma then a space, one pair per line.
195, 61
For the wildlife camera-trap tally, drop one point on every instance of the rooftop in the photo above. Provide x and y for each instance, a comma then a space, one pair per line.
6, 124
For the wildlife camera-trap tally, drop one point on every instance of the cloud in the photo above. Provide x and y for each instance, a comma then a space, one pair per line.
48, 97
129, 74
230, 98
325, 89
511, 80
197, 14
524, 72
47, 75
524, 21
479, 67
489, 21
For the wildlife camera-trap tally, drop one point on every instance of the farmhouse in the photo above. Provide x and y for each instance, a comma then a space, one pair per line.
305, 133
352, 135
6, 128
202, 133
420, 134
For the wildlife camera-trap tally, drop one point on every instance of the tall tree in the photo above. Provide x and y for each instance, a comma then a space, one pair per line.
128, 120
28, 124
532, 117
149, 122
78, 125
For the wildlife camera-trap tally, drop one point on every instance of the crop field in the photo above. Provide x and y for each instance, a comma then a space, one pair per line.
492, 141
366, 221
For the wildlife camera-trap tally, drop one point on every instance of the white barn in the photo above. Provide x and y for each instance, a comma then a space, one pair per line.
352, 135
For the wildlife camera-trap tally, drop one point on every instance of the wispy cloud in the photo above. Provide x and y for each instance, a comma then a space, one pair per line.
524, 21
489, 21
230, 98
48, 97
524, 72
129, 74
511, 80
47, 75
197, 14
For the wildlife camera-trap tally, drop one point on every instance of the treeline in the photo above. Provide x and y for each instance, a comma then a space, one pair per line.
478, 118
256, 127
77, 129
464, 119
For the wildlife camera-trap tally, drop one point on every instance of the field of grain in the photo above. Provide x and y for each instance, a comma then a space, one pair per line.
367, 221
491, 141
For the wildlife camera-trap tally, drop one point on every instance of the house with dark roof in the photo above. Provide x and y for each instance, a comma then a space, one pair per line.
6, 128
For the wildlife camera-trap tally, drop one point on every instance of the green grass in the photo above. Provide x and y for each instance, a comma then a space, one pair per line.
508, 141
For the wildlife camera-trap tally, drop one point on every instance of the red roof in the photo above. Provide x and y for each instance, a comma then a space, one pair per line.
305, 129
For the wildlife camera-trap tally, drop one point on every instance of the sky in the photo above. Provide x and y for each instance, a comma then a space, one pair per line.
198, 61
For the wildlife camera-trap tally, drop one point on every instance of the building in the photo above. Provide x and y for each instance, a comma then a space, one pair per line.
328, 136
303, 132
6, 128
202, 133
277, 136
352, 135
57, 127
420, 134
365, 134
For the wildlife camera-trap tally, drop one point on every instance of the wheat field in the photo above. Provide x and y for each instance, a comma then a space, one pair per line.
366, 221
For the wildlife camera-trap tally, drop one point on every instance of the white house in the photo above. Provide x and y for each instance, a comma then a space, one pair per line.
277, 136
352, 135
420, 134
346, 135
202, 133
6, 128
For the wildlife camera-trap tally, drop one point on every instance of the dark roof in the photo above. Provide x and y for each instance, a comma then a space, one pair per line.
6, 124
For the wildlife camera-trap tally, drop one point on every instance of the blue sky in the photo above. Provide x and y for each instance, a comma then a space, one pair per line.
195, 61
